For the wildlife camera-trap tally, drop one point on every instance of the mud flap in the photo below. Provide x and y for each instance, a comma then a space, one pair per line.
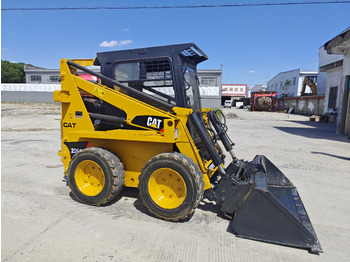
268, 208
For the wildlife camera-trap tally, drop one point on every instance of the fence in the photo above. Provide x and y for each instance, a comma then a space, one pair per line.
304, 105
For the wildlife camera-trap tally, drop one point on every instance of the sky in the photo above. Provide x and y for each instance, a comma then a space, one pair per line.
253, 43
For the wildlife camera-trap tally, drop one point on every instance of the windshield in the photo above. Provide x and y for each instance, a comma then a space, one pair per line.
152, 76
192, 90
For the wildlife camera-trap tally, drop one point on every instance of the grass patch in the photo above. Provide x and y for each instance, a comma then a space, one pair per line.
232, 116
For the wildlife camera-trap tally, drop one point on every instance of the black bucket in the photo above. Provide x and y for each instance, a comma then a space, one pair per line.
267, 207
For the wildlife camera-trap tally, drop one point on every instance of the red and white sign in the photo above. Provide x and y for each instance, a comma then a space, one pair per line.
234, 89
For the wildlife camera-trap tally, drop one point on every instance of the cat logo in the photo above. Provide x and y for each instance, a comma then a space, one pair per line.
71, 125
154, 122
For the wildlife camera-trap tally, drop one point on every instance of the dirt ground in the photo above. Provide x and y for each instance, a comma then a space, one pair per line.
40, 221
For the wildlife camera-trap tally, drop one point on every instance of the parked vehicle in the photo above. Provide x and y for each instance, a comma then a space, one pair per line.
228, 103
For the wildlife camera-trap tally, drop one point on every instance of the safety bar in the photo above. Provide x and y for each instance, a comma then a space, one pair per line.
154, 102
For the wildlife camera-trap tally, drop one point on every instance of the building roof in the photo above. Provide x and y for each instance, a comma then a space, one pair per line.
28, 67
209, 71
338, 44
301, 72
36, 69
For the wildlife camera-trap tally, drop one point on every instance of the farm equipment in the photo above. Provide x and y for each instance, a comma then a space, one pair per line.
142, 125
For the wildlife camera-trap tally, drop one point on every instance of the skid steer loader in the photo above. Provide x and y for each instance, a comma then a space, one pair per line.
142, 125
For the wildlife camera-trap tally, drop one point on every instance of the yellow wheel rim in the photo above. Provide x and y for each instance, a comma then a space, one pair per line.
167, 188
89, 178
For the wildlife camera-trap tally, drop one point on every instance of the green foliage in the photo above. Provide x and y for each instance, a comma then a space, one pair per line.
232, 116
215, 109
288, 83
12, 72
219, 113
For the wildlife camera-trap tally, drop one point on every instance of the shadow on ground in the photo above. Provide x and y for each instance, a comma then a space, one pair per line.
331, 155
314, 130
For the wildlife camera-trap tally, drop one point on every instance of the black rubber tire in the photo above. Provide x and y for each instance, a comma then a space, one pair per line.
113, 173
191, 175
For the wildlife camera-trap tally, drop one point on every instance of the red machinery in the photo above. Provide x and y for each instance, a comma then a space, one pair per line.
263, 101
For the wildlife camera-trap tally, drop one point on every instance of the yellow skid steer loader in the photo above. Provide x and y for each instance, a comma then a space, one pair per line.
141, 124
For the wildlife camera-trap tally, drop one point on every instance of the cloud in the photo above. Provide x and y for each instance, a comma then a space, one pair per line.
125, 30
251, 71
115, 43
125, 42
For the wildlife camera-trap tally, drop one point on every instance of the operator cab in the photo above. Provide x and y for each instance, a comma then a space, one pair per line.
167, 73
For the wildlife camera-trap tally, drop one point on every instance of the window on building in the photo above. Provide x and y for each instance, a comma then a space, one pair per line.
236, 89
312, 78
208, 81
294, 80
35, 79
241, 90
55, 79
231, 89
281, 84
332, 99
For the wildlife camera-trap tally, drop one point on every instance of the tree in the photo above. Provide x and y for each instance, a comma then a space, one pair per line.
288, 83
12, 72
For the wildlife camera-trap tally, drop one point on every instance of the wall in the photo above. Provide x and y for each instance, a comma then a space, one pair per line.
309, 105
275, 83
41, 93
31, 93
210, 102
343, 122
334, 78
210, 95
325, 59
45, 76
232, 90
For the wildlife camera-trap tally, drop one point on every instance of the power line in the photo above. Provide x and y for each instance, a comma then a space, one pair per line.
172, 6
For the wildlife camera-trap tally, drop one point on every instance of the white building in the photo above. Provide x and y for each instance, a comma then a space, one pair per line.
38, 75
290, 83
336, 63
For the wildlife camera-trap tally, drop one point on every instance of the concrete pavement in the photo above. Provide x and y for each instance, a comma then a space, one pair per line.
42, 222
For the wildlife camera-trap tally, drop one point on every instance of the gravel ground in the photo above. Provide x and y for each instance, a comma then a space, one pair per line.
42, 222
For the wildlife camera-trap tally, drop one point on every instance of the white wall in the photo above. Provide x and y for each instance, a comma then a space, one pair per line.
321, 83
341, 92
31, 87
334, 78
33, 93
295, 88
275, 83
325, 59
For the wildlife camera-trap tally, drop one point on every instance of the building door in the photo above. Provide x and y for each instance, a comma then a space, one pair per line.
347, 114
